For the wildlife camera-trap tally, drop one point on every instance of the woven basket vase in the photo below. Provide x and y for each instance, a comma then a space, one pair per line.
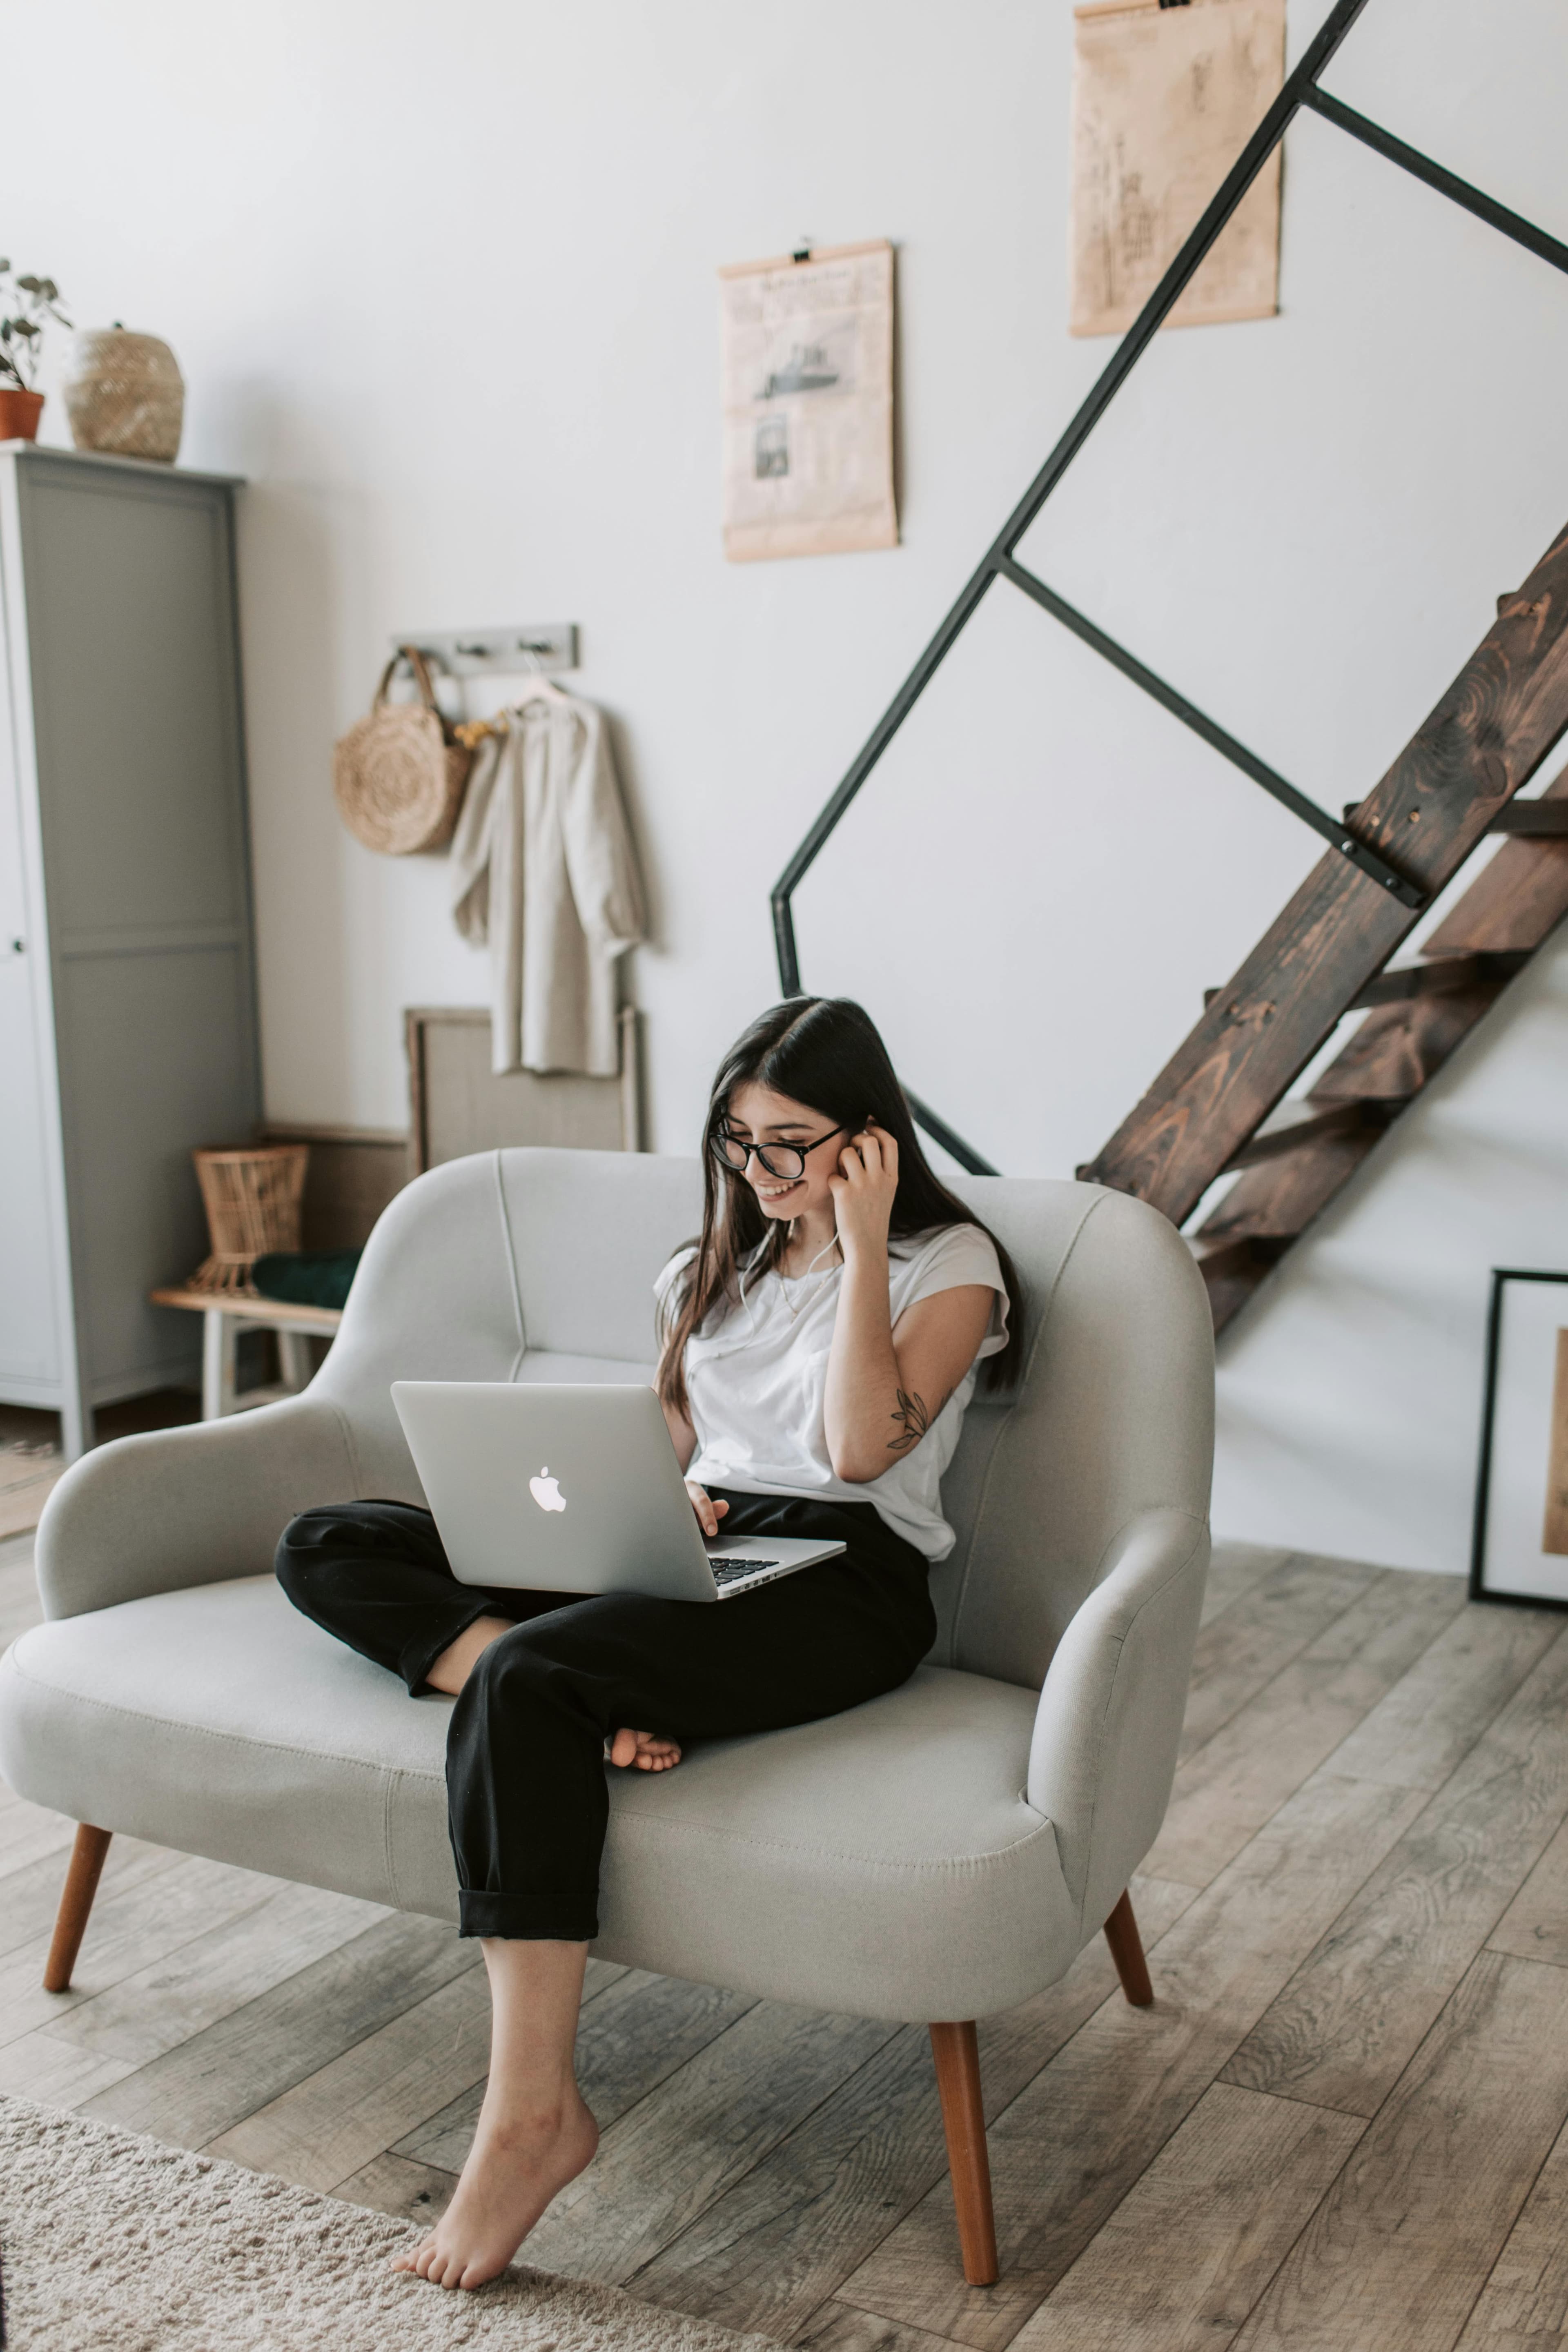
397, 775
252, 1199
124, 395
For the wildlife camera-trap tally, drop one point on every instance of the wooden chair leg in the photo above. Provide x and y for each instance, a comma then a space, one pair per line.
957, 2054
1127, 1951
75, 1901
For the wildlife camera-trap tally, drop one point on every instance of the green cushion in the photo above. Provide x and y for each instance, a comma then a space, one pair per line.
306, 1277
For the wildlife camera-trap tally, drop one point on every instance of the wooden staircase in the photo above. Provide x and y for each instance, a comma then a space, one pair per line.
1207, 1114
1214, 1109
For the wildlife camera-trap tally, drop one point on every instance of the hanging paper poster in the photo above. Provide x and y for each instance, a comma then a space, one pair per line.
807, 377
1164, 99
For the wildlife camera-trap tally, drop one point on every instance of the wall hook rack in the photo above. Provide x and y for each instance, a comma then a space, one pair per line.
512, 651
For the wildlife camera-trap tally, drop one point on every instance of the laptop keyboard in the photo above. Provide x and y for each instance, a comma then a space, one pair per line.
727, 1570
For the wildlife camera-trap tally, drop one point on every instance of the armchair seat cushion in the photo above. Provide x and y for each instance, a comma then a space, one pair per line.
885, 1862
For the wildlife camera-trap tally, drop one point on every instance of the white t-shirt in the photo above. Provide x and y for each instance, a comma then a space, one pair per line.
757, 1378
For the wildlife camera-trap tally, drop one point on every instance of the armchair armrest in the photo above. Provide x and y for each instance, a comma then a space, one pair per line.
183, 1506
1106, 1736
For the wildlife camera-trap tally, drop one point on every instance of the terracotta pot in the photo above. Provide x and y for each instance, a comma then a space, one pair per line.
19, 414
124, 395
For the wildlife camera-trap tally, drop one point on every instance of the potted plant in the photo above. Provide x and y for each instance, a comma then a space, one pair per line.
25, 304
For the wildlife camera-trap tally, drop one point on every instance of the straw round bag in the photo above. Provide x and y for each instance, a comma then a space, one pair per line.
398, 775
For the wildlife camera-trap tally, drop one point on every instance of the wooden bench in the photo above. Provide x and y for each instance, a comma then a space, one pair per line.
228, 1313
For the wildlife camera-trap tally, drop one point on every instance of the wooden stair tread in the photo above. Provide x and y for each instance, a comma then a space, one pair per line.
1326, 955
1538, 820
1486, 939
1481, 743
1542, 819
1400, 1047
1439, 975
1294, 1125
1237, 1249
1515, 902
1396, 983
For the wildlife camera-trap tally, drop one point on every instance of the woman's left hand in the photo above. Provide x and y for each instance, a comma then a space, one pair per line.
863, 1190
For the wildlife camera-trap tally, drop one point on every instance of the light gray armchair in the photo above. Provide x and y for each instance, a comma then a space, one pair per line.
939, 1854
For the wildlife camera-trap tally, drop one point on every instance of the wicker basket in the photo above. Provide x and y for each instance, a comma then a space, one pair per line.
252, 1200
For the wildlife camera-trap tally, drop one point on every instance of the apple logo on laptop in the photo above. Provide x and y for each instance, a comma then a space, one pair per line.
546, 1492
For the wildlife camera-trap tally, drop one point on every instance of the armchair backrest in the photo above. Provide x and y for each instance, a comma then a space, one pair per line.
539, 1265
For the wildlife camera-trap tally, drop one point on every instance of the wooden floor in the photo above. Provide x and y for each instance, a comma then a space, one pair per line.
1340, 2125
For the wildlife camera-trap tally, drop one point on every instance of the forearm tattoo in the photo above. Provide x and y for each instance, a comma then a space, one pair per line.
914, 1419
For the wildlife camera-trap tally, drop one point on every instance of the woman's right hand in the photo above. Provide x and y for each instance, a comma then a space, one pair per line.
709, 1512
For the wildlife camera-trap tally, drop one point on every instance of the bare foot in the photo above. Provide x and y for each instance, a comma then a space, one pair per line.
516, 2165
646, 1750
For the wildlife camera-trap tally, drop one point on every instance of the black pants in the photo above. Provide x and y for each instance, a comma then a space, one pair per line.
527, 1802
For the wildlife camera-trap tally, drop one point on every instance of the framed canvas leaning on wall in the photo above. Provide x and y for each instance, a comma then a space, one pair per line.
458, 1104
1521, 1490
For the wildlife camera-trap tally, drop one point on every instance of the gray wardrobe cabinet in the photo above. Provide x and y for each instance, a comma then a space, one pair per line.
128, 1030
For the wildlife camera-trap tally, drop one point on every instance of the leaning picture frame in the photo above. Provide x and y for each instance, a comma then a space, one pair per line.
1519, 1552
458, 1104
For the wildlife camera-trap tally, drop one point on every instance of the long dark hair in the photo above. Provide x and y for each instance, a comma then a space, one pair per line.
825, 1052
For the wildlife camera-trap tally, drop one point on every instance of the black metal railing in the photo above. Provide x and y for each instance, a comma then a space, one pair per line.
999, 562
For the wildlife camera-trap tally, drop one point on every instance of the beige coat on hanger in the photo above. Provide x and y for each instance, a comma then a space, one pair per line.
543, 868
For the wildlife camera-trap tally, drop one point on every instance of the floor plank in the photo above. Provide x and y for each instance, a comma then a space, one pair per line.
1234, 1569
391, 2184
133, 1929
1073, 2144
57, 2073
172, 1999
804, 2219
339, 2118
1400, 2248
1535, 1924
1417, 1736
224, 2072
1524, 2306
1188, 2251
837, 2328
629, 2041
674, 2153
30, 1896
1251, 1640
1342, 2031
1227, 1789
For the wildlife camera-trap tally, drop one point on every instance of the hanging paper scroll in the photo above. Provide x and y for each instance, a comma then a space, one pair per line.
808, 360
1165, 99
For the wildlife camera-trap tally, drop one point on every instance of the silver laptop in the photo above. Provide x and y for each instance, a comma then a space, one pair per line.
573, 1490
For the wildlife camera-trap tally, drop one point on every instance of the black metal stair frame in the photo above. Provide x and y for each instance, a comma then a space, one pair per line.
999, 562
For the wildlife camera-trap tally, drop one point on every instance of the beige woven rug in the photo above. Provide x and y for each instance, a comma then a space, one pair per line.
118, 2244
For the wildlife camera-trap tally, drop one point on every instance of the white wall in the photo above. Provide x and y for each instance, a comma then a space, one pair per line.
442, 288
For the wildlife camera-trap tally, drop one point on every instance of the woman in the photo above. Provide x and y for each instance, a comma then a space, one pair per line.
820, 1342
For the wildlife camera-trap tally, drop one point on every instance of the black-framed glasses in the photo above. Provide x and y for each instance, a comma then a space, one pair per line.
786, 1160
